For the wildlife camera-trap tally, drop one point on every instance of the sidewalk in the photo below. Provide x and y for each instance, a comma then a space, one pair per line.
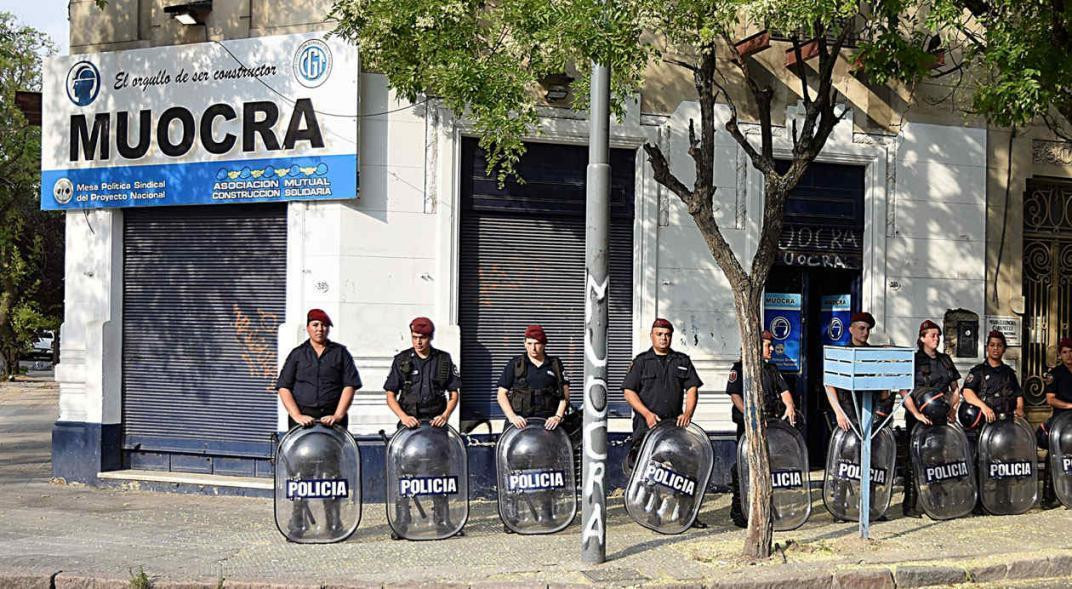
60, 535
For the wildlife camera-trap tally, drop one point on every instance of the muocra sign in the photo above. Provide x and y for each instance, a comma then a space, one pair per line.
251, 120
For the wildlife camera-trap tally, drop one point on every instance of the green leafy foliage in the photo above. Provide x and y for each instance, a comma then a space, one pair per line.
31, 240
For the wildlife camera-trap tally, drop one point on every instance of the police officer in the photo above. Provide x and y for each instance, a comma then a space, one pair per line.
317, 383
935, 371
840, 400
777, 402
1059, 397
423, 384
534, 384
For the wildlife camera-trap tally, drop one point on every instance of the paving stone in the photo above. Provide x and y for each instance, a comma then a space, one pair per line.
926, 576
988, 573
1029, 568
13, 581
72, 581
864, 579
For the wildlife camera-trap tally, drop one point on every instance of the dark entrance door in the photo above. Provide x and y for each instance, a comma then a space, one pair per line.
820, 258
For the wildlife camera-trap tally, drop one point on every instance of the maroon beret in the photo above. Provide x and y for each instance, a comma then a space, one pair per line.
663, 323
536, 332
317, 315
928, 324
423, 326
1066, 342
767, 335
997, 335
865, 317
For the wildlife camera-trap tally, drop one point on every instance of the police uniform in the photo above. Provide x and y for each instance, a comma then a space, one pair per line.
997, 386
316, 382
422, 384
844, 397
1059, 384
534, 391
773, 386
932, 374
660, 381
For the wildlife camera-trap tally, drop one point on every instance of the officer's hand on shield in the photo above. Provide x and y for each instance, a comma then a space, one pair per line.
518, 421
1019, 411
988, 413
439, 421
329, 420
651, 419
552, 422
920, 417
842, 420
305, 420
683, 420
410, 422
791, 415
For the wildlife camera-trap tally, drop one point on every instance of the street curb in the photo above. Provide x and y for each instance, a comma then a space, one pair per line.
865, 577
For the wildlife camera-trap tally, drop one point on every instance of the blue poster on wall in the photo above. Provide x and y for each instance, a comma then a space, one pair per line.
781, 316
834, 314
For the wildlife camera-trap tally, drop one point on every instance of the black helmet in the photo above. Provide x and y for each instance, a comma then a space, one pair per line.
1042, 434
934, 406
970, 416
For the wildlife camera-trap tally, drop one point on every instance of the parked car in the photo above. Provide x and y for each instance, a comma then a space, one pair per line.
41, 348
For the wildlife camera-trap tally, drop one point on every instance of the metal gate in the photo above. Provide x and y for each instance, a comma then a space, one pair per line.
1047, 279
203, 297
522, 262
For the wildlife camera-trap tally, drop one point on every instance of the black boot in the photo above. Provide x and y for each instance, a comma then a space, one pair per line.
1049, 496
909, 507
737, 515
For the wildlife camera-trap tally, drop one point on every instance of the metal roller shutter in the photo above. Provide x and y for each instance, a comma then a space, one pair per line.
203, 296
522, 262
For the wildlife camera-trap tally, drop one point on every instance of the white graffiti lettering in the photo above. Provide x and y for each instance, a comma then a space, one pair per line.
600, 292
593, 528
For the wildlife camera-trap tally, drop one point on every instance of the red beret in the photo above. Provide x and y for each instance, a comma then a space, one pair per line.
1066, 342
865, 317
997, 335
663, 323
536, 332
928, 324
317, 315
423, 326
767, 335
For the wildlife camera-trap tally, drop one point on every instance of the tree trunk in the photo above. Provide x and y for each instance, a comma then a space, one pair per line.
746, 300
7, 335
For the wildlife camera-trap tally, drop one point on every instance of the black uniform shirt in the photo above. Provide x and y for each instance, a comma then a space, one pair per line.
994, 383
423, 371
538, 377
661, 382
318, 381
773, 386
844, 396
1059, 383
933, 374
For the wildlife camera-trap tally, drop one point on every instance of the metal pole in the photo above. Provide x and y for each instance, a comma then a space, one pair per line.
597, 219
865, 464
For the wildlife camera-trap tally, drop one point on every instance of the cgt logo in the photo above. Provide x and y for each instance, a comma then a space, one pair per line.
318, 489
531, 481
312, 63
83, 83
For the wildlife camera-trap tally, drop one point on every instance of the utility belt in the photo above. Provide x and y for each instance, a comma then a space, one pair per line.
413, 407
1000, 403
534, 402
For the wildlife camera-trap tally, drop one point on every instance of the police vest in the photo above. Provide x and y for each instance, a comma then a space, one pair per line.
997, 391
929, 380
529, 402
408, 399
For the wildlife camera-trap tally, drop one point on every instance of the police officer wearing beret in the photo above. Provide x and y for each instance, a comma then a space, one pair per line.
534, 384
935, 371
423, 382
993, 383
777, 402
840, 400
317, 383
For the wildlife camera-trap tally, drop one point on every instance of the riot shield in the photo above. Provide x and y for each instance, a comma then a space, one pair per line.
672, 470
841, 483
1008, 480
1060, 457
317, 485
790, 487
537, 489
942, 463
427, 483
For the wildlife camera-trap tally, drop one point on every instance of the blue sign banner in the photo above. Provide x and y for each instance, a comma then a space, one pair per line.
781, 316
834, 314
